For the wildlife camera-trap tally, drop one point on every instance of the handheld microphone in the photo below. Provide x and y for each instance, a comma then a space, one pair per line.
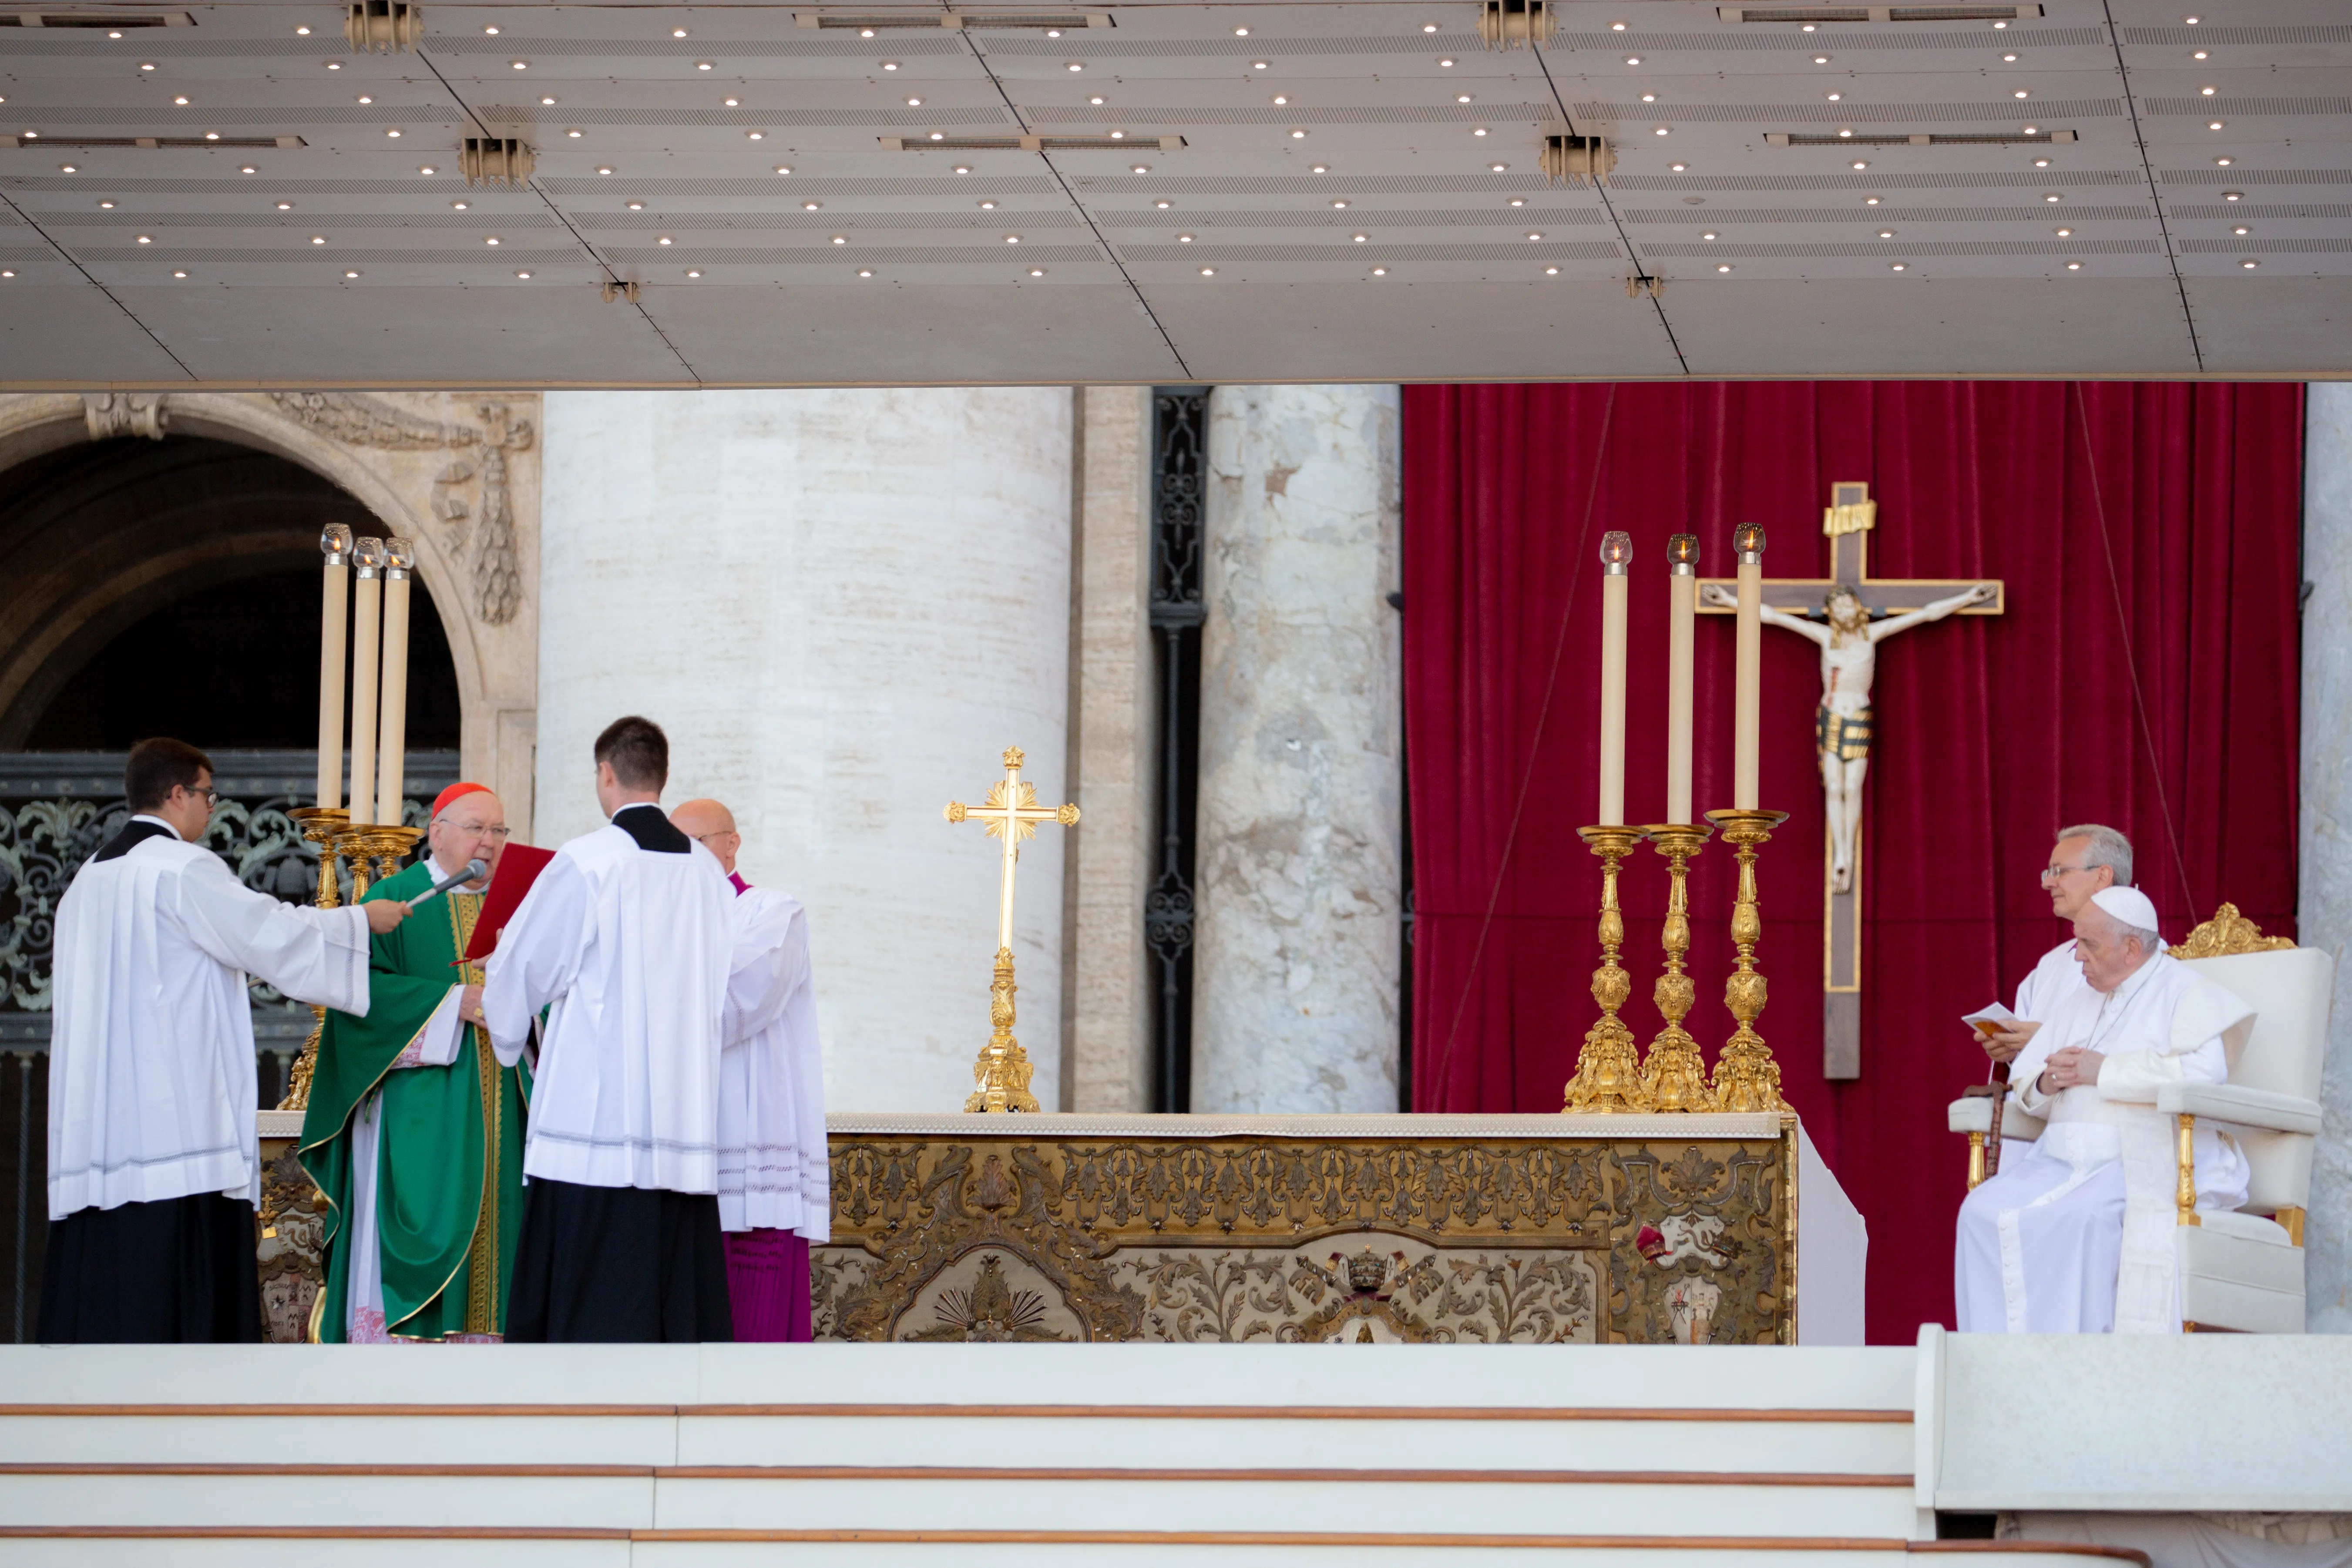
475, 870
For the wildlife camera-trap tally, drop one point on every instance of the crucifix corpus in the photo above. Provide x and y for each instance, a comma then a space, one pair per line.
1012, 813
1849, 614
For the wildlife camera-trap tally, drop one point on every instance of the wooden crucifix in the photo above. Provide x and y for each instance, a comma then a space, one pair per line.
1848, 614
1011, 813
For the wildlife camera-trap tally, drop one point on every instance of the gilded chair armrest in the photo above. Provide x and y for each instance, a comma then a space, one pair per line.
2244, 1107
1973, 1114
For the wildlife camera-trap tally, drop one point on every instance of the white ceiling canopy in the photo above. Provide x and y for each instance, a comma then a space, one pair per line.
240, 195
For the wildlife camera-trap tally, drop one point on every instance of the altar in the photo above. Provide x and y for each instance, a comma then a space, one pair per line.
1580, 1229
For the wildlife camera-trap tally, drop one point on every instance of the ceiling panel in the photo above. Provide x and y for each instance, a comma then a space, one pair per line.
1347, 190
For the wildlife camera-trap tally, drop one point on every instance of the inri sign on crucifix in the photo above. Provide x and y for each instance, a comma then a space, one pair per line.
1848, 614
1012, 813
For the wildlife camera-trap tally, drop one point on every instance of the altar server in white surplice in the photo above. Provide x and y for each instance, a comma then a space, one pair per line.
626, 938
775, 1189
154, 1169
2076, 1237
2085, 860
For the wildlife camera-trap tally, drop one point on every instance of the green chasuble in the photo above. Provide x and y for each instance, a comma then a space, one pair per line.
448, 1187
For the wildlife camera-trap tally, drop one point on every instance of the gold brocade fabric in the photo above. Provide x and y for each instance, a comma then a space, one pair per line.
482, 1260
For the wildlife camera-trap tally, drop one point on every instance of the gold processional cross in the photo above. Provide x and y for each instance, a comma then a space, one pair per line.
1847, 522
1012, 813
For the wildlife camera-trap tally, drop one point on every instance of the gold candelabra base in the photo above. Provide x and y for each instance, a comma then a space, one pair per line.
1608, 1068
1673, 1075
1745, 1076
1003, 1068
375, 852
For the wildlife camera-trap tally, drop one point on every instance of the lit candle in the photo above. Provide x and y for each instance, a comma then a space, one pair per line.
367, 628
1682, 608
1616, 554
391, 755
1748, 689
334, 635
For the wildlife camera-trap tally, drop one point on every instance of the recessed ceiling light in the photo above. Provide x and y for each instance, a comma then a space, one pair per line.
520, 272
2020, 92
815, 206
2042, 163
963, 168
75, 169
1429, 27
1533, 234
1679, 168
1097, 98
182, 101
1821, 60
394, 133
1139, 169
787, 168
634, 206
1886, 234
1478, 131
1710, 234
7, 272
2199, 55
2063, 232
1462, 98
518, 65
748, 135
302, 30
546, 99
576, 134
1074, 66
2223, 163
865, 272
1257, 64
2074, 266
493, 30
1163, 206
2242, 229
351, 271
334, 65
677, 32
318, 239
1898, 267
1361, 239
865, 32
493, 239
725, 103
658, 239
889, 66
2234, 196
1012, 239
1516, 202
1183, 240
704, 66
1320, 169
1301, 135
179, 274
1616, 27
601, 168
1241, 32
1834, 97
1279, 98
1380, 271
2216, 124
2206, 92
146, 65
697, 271
1870, 201
2192, 21
1632, 59
1497, 168
108, 207
2052, 197
1208, 272
1661, 131
914, 103
249, 169
1552, 271
2250, 264
1447, 63
2009, 59
282, 206
1861, 163
841, 240
1649, 98
1723, 267
1052, 32
150, 240
1037, 272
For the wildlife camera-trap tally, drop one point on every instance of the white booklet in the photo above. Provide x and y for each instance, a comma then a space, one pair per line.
1992, 1020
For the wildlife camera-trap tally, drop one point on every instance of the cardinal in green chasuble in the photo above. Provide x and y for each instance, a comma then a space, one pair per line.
413, 1131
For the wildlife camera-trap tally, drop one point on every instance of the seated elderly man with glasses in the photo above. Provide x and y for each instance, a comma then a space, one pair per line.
413, 1131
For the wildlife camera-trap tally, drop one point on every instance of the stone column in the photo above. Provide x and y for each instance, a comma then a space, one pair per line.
2325, 918
1109, 1047
1299, 832
842, 606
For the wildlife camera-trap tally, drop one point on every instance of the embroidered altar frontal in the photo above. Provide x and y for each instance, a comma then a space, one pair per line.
1202, 1229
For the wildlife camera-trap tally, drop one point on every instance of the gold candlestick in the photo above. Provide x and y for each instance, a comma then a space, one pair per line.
379, 844
1608, 1070
1745, 1076
324, 826
1673, 1075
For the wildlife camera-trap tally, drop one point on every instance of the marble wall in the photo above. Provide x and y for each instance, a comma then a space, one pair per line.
842, 606
2325, 918
1300, 827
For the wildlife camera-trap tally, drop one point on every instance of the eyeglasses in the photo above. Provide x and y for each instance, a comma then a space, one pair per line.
720, 833
2052, 873
497, 834
211, 797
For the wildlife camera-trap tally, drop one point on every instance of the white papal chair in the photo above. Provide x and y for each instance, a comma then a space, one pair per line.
2242, 1271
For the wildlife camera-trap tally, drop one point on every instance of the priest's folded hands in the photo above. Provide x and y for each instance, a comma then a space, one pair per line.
2072, 1067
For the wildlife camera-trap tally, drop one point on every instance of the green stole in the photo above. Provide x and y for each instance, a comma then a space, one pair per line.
448, 1190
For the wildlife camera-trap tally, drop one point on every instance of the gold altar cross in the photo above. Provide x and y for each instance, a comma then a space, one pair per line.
1011, 813
1847, 522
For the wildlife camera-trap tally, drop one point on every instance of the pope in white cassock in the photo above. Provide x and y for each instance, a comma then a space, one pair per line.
775, 1184
2085, 860
2076, 1237
626, 939
155, 1165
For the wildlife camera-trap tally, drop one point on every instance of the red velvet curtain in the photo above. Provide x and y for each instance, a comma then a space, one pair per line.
2145, 676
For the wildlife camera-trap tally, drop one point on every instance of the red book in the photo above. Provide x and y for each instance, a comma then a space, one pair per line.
519, 867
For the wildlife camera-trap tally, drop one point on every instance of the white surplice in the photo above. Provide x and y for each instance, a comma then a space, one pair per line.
772, 1169
629, 950
2101, 1178
152, 1086
2054, 977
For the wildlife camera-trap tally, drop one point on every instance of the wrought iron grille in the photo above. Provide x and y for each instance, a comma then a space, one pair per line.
1179, 432
57, 809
